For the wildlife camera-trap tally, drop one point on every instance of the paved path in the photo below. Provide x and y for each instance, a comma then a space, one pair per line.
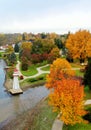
38, 69
58, 124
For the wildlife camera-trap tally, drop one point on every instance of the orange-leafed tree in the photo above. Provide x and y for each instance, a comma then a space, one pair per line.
79, 45
58, 66
67, 99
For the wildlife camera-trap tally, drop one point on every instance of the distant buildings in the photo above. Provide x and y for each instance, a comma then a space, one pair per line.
3, 48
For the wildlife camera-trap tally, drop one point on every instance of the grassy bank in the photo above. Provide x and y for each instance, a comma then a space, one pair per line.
45, 117
32, 82
40, 118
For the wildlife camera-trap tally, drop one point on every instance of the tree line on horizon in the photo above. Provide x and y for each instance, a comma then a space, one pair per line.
18, 37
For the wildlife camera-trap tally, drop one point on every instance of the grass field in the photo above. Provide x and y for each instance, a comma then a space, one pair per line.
32, 82
47, 68
31, 71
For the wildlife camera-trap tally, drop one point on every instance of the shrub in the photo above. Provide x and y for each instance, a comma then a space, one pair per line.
10, 73
21, 77
32, 80
24, 66
87, 76
87, 117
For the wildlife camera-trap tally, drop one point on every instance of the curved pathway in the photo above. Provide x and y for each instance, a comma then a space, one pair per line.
38, 69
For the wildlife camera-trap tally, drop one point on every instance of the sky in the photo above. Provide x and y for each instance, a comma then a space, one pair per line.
37, 16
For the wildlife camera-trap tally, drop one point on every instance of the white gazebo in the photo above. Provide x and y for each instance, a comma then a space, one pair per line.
16, 88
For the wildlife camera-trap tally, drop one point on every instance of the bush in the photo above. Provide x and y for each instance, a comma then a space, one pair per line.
87, 76
32, 80
42, 77
24, 66
87, 117
10, 73
21, 77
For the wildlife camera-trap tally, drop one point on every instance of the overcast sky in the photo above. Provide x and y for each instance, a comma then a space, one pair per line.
35, 16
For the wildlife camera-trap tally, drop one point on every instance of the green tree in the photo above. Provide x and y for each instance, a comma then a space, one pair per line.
58, 43
12, 58
37, 46
16, 48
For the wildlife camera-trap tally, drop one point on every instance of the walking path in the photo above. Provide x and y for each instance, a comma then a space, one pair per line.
38, 69
58, 124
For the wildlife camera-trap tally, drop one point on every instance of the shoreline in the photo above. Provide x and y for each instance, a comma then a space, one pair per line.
9, 83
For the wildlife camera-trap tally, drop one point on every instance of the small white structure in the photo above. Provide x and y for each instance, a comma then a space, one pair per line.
16, 88
15, 80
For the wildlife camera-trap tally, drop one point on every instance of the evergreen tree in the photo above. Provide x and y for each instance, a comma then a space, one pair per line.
12, 58
16, 48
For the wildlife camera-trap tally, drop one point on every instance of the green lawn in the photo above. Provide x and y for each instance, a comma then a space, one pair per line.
31, 71
41, 64
79, 73
41, 79
47, 68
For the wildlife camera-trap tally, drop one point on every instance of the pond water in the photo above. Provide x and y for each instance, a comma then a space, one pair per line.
11, 106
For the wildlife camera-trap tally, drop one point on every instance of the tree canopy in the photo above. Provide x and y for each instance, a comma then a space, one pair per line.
79, 44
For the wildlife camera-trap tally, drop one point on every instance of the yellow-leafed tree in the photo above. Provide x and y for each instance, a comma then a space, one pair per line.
79, 44
58, 66
67, 93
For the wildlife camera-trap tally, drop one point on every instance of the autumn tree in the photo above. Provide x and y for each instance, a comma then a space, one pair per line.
79, 45
25, 36
58, 66
67, 93
54, 54
3, 39
41, 46
10, 49
48, 45
68, 99
26, 45
24, 63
